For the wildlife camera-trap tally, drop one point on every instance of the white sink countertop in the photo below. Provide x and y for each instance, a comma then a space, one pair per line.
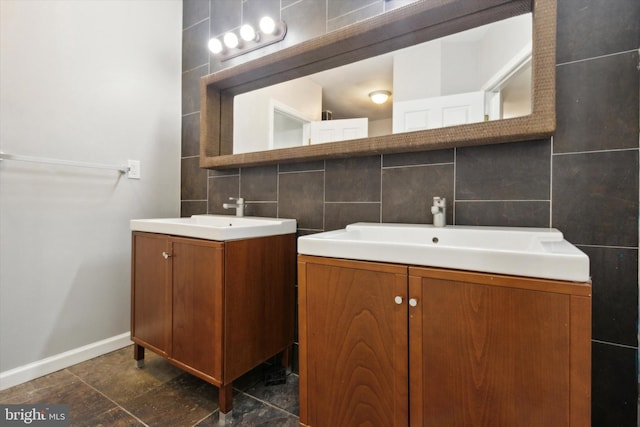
518, 251
216, 227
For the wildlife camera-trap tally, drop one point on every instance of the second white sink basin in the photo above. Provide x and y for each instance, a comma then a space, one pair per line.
216, 227
530, 252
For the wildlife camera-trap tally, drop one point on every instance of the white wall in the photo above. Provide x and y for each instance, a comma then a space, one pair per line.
519, 28
458, 63
94, 81
417, 72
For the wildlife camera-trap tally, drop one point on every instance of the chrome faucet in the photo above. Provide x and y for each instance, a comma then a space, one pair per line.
238, 205
439, 211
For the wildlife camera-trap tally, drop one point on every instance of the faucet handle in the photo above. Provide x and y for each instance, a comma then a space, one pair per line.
237, 199
439, 201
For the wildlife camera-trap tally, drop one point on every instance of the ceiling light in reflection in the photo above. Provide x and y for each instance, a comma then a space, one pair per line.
379, 96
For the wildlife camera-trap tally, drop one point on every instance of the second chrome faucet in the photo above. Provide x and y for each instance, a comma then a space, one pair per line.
439, 211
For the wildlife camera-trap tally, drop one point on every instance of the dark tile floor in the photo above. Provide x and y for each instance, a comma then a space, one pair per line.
110, 391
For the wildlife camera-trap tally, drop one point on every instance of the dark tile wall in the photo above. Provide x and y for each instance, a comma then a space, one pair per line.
583, 181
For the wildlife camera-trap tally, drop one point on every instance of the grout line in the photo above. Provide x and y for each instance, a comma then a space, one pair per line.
301, 171
353, 202
324, 196
208, 188
455, 170
207, 416
269, 403
350, 13
292, 4
596, 57
199, 22
615, 344
317, 230
595, 151
503, 200
421, 165
550, 222
108, 398
381, 187
606, 246
190, 70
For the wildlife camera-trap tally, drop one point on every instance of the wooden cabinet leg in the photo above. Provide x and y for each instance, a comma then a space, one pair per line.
138, 355
286, 359
225, 399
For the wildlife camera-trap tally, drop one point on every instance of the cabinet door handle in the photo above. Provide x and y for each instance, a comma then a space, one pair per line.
166, 255
413, 302
398, 300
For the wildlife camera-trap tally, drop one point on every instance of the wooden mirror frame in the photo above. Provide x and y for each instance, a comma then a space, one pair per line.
416, 23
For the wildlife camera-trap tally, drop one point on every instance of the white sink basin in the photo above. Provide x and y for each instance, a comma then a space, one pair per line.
216, 227
531, 252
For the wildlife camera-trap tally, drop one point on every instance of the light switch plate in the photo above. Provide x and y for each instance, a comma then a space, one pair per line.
134, 169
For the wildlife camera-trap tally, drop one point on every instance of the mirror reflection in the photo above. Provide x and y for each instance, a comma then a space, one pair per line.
477, 75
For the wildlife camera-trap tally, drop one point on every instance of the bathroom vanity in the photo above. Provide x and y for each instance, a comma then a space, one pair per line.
215, 308
397, 344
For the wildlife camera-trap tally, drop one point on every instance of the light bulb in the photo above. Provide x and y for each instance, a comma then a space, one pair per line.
231, 40
247, 33
215, 46
267, 25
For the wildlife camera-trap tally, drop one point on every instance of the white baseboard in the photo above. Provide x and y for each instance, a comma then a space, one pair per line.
36, 369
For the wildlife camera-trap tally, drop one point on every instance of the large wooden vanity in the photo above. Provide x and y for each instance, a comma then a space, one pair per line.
214, 308
397, 345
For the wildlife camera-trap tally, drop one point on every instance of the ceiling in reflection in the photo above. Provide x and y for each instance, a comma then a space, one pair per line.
345, 89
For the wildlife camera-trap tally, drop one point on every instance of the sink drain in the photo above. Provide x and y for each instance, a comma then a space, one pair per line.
435, 240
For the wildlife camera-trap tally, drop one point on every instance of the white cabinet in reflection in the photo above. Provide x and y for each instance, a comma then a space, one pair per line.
338, 130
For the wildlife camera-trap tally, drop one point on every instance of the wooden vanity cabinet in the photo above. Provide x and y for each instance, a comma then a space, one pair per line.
393, 345
215, 309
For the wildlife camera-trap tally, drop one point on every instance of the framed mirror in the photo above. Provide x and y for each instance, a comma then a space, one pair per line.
402, 28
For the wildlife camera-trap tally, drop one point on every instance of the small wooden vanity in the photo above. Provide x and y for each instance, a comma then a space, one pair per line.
214, 308
395, 345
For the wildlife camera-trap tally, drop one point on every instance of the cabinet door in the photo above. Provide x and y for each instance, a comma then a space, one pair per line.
353, 343
485, 353
150, 292
197, 273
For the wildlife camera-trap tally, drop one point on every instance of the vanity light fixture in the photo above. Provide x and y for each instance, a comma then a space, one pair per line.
215, 46
231, 40
248, 34
267, 25
379, 96
230, 45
